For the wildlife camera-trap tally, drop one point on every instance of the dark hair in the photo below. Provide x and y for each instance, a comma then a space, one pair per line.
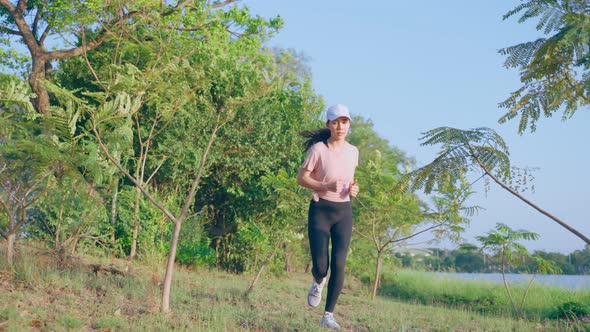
314, 136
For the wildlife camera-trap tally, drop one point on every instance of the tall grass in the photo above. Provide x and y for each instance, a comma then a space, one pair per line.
480, 296
38, 295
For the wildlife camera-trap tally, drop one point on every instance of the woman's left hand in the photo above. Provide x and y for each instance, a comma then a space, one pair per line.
354, 189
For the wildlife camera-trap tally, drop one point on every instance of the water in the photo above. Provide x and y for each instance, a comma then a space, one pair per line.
574, 282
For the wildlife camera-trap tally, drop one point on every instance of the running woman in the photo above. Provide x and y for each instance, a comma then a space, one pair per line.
328, 170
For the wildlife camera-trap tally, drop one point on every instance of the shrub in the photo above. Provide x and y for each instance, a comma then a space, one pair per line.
571, 311
196, 253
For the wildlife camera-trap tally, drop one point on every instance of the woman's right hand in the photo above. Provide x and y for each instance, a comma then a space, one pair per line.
335, 186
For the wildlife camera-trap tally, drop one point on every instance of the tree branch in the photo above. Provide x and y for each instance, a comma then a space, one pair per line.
44, 34
522, 198
361, 234
5, 207
9, 214
36, 20
178, 6
391, 240
25, 206
222, 4
88, 64
21, 23
64, 54
129, 176
193, 190
16, 226
6, 4
198, 28
10, 192
573, 86
10, 31
420, 232
166, 123
40, 195
22, 5
28, 192
156, 170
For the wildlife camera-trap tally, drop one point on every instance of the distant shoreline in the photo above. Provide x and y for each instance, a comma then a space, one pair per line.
568, 281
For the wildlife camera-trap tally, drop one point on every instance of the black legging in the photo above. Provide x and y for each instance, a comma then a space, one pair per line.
329, 219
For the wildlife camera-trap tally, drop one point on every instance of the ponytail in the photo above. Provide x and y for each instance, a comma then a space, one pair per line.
314, 136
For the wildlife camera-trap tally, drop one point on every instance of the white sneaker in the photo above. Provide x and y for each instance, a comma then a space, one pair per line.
314, 297
329, 321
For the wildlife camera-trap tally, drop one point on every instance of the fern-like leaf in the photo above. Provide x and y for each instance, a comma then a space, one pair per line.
461, 151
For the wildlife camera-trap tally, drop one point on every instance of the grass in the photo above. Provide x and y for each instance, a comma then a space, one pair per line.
480, 296
37, 295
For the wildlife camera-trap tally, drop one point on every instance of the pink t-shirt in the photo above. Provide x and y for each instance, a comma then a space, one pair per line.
326, 165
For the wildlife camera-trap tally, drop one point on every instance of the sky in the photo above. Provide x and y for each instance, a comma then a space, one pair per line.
412, 66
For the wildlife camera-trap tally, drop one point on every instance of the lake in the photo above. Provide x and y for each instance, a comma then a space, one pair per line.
575, 282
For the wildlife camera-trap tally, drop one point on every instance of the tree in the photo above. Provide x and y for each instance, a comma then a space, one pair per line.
384, 219
79, 27
388, 220
199, 84
20, 189
261, 141
560, 260
37, 164
467, 259
581, 259
283, 223
480, 149
24, 177
553, 70
67, 215
504, 242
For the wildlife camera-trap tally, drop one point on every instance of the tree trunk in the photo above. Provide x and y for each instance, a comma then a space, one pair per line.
38, 74
114, 209
176, 220
58, 228
10, 248
74, 245
255, 281
133, 252
10, 235
377, 274
287, 260
262, 266
170, 267
256, 259
524, 296
135, 226
506, 286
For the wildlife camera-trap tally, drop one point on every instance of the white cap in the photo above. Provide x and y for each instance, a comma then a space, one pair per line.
335, 111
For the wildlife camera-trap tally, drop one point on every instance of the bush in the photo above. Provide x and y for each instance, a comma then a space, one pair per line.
196, 253
571, 311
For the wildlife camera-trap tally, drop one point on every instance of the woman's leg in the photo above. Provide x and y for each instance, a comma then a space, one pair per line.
341, 234
318, 229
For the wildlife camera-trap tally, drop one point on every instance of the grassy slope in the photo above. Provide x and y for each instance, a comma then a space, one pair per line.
37, 297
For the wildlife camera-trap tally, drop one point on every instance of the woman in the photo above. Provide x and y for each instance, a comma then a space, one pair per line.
328, 170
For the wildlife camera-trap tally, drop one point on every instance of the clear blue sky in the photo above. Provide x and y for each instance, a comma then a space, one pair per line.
411, 66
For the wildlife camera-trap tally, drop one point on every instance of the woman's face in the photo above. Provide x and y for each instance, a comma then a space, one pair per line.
339, 127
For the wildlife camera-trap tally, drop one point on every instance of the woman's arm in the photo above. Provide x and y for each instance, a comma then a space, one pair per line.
304, 179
